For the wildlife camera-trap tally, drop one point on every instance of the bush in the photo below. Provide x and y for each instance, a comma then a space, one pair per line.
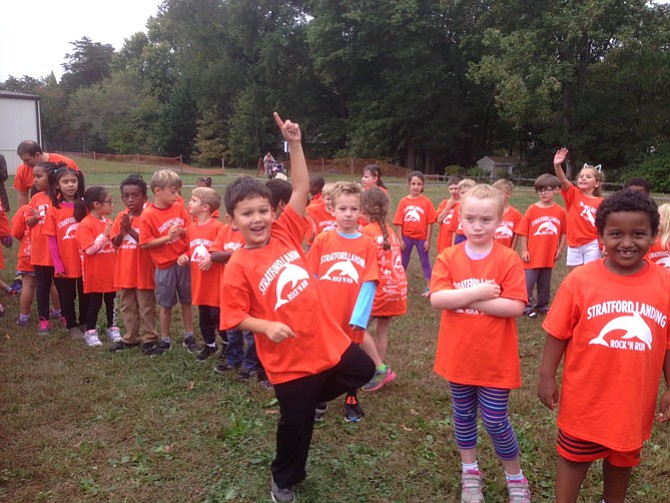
454, 169
656, 169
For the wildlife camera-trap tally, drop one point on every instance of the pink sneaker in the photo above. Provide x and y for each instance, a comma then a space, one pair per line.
379, 380
43, 327
471, 487
518, 491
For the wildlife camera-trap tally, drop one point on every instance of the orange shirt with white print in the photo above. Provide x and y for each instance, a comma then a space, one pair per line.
659, 254
445, 235
60, 222
97, 269
391, 292
342, 265
39, 241
228, 239
617, 334
134, 268
509, 224
473, 347
24, 178
415, 214
543, 228
156, 223
581, 216
322, 219
21, 232
273, 283
455, 223
201, 240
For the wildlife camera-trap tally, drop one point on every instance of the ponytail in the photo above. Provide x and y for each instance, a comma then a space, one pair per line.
386, 244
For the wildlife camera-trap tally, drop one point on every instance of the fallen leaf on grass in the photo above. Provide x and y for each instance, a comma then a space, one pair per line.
272, 412
413, 412
190, 385
406, 428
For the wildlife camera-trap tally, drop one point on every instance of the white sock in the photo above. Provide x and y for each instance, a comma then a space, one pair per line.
514, 478
470, 466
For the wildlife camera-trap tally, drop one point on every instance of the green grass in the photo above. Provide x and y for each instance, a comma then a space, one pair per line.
81, 424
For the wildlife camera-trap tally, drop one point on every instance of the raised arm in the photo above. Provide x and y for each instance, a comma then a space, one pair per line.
559, 158
299, 174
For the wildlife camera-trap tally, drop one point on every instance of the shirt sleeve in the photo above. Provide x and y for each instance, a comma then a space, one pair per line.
363, 307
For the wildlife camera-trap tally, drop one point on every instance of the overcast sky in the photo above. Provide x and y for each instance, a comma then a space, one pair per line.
35, 34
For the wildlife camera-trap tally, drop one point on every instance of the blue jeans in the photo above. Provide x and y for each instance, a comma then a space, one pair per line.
236, 353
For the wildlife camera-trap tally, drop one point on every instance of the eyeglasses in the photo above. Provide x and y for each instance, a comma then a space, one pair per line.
107, 201
544, 190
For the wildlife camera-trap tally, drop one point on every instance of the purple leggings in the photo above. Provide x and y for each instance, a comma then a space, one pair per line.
423, 255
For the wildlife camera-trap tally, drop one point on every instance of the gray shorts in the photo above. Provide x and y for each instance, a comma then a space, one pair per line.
173, 281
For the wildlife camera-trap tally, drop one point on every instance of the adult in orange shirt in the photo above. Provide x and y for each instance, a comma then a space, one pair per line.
542, 232
31, 153
345, 264
479, 286
134, 271
307, 356
610, 320
98, 260
201, 236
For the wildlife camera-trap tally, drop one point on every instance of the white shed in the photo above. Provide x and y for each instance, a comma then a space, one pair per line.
19, 120
498, 165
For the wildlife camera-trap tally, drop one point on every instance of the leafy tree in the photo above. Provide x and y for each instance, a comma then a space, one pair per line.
88, 64
210, 142
25, 84
177, 126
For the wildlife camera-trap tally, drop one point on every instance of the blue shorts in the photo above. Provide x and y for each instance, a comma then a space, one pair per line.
173, 281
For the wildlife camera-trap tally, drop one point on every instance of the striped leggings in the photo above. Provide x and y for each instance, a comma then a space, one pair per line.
492, 403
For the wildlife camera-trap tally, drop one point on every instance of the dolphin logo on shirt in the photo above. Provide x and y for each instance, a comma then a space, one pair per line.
71, 232
344, 268
291, 274
128, 240
587, 214
633, 326
665, 262
199, 254
546, 229
504, 232
412, 215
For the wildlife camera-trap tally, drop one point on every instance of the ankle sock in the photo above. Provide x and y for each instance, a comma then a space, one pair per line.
56, 313
188, 335
382, 367
514, 478
24, 317
166, 339
470, 466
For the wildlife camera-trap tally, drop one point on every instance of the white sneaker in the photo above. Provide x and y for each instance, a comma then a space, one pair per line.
91, 338
471, 487
114, 334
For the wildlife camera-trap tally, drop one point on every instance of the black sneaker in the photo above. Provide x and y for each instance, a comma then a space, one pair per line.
149, 349
120, 346
206, 352
223, 368
320, 411
244, 374
191, 345
352, 410
161, 347
282, 494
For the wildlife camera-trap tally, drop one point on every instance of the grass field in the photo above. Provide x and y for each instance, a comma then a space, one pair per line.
82, 424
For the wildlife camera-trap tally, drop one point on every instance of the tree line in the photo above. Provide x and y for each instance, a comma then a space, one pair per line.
427, 84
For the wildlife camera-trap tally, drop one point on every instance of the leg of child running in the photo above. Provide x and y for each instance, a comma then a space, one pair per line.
569, 478
615, 482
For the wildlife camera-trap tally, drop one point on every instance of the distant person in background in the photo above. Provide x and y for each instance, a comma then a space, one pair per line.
268, 161
4, 174
204, 181
31, 153
638, 183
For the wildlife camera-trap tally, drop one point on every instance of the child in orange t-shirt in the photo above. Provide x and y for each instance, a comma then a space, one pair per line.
320, 214
98, 261
581, 203
345, 263
446, 211
66, 185
269, 291
391, 294
455, 224
414, 219
542, 232
7, 241
163, 233
40, 258
609, 320
506, 232
205, 274
479, 286
134, 271
660, 250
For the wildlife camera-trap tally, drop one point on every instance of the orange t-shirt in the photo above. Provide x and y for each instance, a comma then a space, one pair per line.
201, 240
617, 334
342, 265
97, 269
445, 235
509, 223
543, 228
228, 239
414, 214
5, 230
455, 223
39, 241
156, 223
134, 268
476, 348
581, 216
21, 232
391, 293
273, 283
322, 220
60, 223
24, 179
659, 254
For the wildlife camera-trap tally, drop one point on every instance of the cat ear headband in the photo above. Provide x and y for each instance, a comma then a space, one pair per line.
598, 168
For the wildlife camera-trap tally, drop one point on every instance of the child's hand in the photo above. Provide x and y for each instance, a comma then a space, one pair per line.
277, 331
525, 256
7, 241
125, 223
489, 290
426, 245
561, 156
205, 264
175, 232
108, 229
289, 130
664, 408
183, 259
547, 391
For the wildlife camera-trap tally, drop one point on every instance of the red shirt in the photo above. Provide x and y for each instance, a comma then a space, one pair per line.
22, 232
414, 214
273, 283
509, 224
156, 223
342, 265
24, 179
617, 332
134, 268
60, 223
97, 269
445, 236
659, 254
322, 219
39, 241
201, 240
581, 216
476, 348
391, 293
543, 228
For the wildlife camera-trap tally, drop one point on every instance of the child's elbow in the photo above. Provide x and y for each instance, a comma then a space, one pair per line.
517, 308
